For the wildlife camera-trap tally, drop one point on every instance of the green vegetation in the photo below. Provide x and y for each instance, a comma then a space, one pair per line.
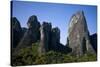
29, 56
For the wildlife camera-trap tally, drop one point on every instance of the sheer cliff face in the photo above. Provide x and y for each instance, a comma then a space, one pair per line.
78, 35
16, 31
45, 31
33, 27
31, 35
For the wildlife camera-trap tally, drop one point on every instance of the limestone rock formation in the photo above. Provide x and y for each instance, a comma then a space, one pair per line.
55, 42
50, 39
32, 34
78, 35
16, 31
78, 40
55, 38
34, 26
45, 31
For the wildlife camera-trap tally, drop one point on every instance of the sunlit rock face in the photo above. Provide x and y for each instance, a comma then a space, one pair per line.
78, 35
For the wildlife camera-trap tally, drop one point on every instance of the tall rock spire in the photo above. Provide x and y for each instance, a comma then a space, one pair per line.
45, 31
78, 35
32, 34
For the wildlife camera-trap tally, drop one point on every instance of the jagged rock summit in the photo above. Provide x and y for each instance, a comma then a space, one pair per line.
50, 39
32, 34
78, 35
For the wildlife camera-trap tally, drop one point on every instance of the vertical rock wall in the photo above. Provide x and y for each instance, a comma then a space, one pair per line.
79, 35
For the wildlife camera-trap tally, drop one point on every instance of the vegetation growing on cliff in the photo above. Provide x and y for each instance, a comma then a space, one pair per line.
29, 56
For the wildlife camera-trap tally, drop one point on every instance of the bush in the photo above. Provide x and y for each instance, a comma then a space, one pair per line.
29, 56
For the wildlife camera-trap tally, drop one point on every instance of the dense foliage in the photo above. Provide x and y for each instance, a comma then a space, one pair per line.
29, 56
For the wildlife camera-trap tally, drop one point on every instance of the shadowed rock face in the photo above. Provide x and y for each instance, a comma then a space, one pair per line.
24, 30
16, 31
78, 37
34, 26
55, 38
55, 42
93, 39
50, 39
45, 31
32, 34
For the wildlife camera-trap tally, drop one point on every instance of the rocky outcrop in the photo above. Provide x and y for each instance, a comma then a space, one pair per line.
55, 38
45, 31
34, 26
50, 39
16, 32
55, 42
78, 35
32, 34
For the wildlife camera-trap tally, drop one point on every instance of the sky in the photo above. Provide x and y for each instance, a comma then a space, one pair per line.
58, 14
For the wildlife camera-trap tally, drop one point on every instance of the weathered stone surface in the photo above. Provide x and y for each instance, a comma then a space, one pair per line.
45, 31
50, 39
16, 31
32, 34
79, 35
